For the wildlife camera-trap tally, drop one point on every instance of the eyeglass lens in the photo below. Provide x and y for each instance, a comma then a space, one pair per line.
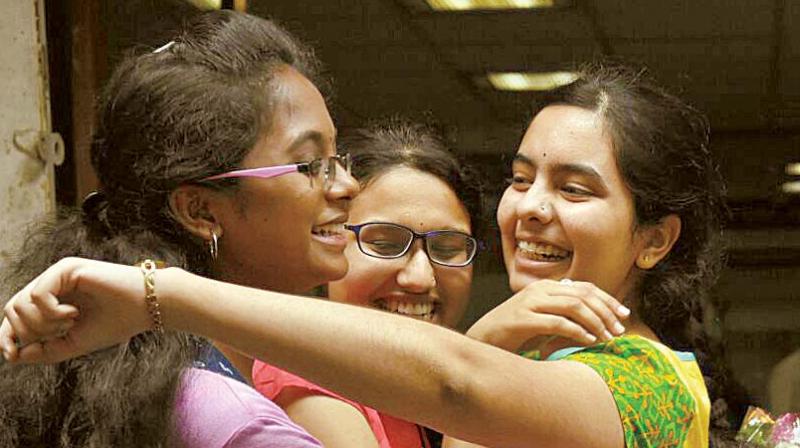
391, 241
327, 168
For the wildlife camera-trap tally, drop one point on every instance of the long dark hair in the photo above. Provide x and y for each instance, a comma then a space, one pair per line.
662, 149
166, 118
394, 142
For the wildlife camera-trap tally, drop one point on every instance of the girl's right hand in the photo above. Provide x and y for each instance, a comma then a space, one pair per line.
74, 307
579, 311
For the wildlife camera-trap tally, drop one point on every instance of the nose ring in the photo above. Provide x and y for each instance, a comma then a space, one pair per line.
542, 207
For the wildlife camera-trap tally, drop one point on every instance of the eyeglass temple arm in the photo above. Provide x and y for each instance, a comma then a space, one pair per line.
265, 172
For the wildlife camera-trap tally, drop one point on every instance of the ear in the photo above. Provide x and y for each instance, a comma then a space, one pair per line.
658, 241
193, 207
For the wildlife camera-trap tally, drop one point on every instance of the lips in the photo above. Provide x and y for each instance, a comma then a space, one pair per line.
329, 229
426, 309
540, 251
331, 234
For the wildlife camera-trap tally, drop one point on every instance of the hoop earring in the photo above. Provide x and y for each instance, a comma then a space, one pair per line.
213, 246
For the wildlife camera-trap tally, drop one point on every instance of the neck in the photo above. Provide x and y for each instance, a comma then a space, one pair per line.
241, 362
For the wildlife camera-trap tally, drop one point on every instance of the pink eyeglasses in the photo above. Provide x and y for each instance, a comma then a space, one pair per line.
325, 167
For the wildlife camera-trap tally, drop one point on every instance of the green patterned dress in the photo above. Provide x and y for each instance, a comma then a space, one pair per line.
660, 394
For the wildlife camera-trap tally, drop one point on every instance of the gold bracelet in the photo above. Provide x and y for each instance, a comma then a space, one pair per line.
148, 268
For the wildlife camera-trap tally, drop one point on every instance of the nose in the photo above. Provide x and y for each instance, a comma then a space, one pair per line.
535, 205
344, 185
417, 275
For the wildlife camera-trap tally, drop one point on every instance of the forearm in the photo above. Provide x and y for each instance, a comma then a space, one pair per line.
383, 360
353, 350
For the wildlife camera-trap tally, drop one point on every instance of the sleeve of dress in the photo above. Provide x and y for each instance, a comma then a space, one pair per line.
655, 406
214, 411
270, 381
266, 432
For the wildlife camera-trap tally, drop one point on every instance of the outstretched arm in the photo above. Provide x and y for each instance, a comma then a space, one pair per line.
417, 371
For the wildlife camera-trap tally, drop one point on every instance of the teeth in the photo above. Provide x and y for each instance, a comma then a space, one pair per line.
328, 229
414, 309
542, 251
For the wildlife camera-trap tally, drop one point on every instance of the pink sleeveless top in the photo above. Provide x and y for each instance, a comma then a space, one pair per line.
390, 432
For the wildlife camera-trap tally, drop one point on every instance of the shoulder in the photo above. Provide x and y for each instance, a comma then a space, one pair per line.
649, 360
659, 393
271, 381
213, 410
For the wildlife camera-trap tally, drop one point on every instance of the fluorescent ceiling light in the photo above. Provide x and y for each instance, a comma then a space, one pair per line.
466, 5
518, 82
791, 187
793, 169
206, 5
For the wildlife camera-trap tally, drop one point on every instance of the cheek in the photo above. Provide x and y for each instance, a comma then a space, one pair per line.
506, 213
364, 280
603, 248
455, 288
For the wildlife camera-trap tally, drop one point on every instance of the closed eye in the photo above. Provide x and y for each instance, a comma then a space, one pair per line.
384, 247
519, 182
576, 190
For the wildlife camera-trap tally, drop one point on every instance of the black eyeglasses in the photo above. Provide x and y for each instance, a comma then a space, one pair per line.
388, 240
324, 170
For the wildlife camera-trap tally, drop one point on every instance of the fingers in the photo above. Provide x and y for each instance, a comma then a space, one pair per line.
31, 353
52, 351
593, 314
578, 310
566, 315
588, 289
33, 323
597, 310
556, 325
22, 334
7, 344
49, 306
34, 314
48, 350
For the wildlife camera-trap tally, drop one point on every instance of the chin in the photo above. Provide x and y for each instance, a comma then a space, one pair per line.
334, 271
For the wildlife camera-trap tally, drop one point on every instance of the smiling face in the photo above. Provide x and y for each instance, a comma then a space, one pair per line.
286, 233
410, 285
567, 212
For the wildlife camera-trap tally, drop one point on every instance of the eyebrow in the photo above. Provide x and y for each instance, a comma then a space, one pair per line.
315, 136
576, 168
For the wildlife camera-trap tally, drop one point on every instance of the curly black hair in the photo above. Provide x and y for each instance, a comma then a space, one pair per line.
193, 109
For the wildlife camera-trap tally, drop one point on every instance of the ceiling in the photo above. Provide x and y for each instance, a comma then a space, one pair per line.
735, 59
